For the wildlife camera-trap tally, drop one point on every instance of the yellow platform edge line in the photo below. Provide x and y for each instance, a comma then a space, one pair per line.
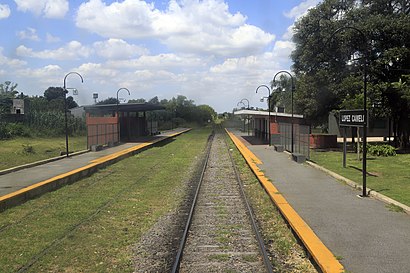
320, 253
93, 163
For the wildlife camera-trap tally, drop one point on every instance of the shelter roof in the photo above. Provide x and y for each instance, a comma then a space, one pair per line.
125, 107
265, 113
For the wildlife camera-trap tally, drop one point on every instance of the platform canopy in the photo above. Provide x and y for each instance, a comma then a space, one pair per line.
125, 107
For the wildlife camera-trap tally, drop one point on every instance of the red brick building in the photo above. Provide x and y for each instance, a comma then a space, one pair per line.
111, 123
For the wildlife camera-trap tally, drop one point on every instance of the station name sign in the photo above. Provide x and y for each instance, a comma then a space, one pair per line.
353, 118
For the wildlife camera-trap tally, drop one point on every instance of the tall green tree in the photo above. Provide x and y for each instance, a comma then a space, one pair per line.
330, 66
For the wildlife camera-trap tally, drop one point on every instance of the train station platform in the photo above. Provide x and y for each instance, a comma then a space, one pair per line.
33, 180
361, 233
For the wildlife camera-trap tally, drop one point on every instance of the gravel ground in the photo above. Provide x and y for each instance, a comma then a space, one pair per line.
221, 238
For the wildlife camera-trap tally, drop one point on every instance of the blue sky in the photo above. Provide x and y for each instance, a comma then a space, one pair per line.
212, 51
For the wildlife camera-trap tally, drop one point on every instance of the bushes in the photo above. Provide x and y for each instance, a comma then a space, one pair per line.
381, 150
10, 130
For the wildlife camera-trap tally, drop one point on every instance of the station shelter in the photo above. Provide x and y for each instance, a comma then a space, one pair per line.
260, 122
113, 123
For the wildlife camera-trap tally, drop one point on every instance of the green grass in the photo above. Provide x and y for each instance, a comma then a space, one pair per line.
93, 224
387, 175
19, 151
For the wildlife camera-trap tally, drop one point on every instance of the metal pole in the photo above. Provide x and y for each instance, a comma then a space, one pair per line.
344, 147
293, 90
269, 98
364, 194
366, 56
65, 120
65, 109
118, 113
269, 137
247, 116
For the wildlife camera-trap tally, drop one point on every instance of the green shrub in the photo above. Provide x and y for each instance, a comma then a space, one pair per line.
381, 150
28, 149
18, 129
10, 130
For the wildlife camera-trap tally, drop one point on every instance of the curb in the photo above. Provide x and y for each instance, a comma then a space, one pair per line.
353, 184
322, 256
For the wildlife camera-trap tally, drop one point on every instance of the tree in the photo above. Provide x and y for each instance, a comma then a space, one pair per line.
137, 101
154, 100
329, 67
55, 97
8, 88
108, 101
8, 92
53, 93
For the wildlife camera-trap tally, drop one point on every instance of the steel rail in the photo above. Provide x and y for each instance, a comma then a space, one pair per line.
184, 238
251, 215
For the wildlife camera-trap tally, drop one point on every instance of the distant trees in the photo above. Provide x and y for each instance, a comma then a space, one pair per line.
108, 101
180, 111
44, 115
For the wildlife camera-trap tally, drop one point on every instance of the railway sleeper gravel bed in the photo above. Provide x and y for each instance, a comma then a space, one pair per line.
221, 238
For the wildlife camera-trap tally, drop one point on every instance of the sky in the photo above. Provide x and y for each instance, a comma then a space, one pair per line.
214, 52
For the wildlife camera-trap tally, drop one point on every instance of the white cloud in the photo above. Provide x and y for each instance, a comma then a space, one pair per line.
118, 49
282, 50
168, 61
97, 71
128, 19
4, 11
192, 26
47, 74
46, 8
73, 50
52, 39
28, 34
301, 9
5, 61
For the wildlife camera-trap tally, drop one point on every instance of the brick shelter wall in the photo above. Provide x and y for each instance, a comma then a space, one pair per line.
101, 130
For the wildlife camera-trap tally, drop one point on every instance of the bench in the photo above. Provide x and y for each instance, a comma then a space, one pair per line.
279, 148
96, 147
299, 158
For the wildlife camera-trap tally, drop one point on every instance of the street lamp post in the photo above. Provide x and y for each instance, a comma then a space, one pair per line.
247, 116
65, 109
118, 113
293, 90
366, 56
269, 98
241, 102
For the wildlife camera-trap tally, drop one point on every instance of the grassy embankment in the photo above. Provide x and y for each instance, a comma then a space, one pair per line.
20, 151
386, 175
93, 224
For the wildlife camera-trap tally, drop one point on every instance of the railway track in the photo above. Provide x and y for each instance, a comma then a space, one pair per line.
221, 234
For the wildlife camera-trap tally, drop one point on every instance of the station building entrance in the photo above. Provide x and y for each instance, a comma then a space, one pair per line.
111, 123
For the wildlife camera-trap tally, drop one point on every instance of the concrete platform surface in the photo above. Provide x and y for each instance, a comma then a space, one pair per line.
14, 181
362, 232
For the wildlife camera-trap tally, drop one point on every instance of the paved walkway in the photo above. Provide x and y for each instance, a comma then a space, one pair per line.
362, 232
14, 181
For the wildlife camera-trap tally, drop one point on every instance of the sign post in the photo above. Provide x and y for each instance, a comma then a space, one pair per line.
354, 118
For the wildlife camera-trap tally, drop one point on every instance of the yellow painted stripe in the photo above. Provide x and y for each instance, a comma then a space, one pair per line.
93, 163
320, 253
